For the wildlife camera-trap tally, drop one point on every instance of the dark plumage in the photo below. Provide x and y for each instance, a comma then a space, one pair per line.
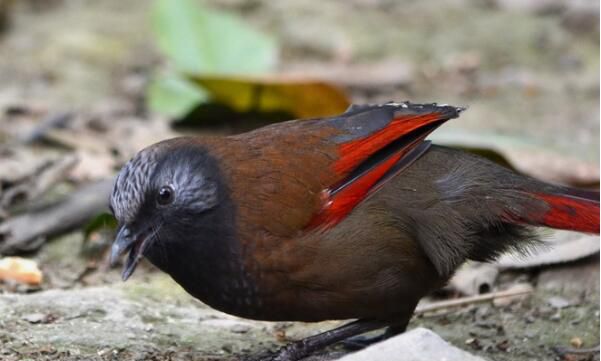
355, 216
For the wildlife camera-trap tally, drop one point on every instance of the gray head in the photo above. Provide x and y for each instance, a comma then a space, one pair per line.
161, 196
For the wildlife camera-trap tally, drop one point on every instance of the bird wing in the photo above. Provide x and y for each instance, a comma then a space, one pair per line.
310, 174
376, 143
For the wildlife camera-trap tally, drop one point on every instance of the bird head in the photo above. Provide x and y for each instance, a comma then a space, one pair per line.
160, 198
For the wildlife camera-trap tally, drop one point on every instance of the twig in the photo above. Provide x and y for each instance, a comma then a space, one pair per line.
41, 179
52, 121
53, 174
27, 232
463, 301
562, 351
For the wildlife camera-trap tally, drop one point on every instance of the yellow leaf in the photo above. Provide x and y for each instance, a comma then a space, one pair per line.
304, 98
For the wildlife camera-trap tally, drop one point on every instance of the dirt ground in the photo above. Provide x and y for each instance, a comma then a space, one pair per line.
529, 72
95, 316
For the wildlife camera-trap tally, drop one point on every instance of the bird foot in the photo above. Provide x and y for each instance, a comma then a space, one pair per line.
360, 342
302, 348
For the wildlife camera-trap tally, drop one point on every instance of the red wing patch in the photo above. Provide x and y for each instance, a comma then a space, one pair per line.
367, 162
337, 206
354, 152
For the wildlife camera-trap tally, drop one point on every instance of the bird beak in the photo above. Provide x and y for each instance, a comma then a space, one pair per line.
126, 241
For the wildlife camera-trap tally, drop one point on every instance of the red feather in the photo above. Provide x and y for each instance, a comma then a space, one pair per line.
356, 151
571, 213
337, 207
339, 203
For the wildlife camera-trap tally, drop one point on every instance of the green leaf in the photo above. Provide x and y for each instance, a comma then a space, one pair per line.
199, 40
173, 95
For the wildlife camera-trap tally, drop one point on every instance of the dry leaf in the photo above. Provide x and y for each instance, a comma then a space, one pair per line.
526, 156
475, 278
576, 342
559, 247
20, 270
376, 75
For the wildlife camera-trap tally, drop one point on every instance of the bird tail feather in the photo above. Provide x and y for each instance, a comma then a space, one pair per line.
568, 209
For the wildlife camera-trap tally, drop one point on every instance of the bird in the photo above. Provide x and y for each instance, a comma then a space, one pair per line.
355, 216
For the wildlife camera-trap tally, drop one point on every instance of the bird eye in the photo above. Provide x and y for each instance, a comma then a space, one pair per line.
166, 195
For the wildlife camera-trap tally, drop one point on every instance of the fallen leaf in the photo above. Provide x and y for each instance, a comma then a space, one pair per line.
528, 156
223, 60
20, 270
474, 278
38, 318
576, 342
199, 40
373, 75
558, 302
559, 247
503, 345
474, 343
302, 97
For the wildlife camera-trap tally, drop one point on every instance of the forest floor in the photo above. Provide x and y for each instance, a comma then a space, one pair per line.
91, 61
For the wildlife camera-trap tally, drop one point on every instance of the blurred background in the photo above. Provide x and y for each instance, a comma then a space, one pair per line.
86, 84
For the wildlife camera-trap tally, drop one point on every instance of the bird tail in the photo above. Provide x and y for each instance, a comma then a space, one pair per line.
482, 209
568, 209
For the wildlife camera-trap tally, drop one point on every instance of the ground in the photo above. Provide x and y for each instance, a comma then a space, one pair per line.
528, 70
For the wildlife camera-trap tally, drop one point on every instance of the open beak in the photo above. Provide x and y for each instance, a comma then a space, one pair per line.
127, 241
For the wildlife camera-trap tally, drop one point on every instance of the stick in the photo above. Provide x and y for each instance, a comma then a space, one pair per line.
27, 232
562, 351
463, 301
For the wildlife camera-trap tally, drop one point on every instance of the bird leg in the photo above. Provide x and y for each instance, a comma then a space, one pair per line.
306, 346
361, 342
